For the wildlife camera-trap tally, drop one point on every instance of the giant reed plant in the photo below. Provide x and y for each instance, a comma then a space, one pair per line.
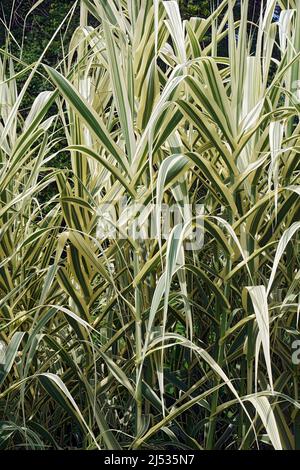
120, 342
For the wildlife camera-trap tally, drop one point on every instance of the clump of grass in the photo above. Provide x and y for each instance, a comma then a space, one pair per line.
124, 343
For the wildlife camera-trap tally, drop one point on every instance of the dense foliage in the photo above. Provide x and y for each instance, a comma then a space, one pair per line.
124, 342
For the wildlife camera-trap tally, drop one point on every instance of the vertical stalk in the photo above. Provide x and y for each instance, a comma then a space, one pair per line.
138, 346
215, 397
250, 342
221, 350
83, 23
83, 14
